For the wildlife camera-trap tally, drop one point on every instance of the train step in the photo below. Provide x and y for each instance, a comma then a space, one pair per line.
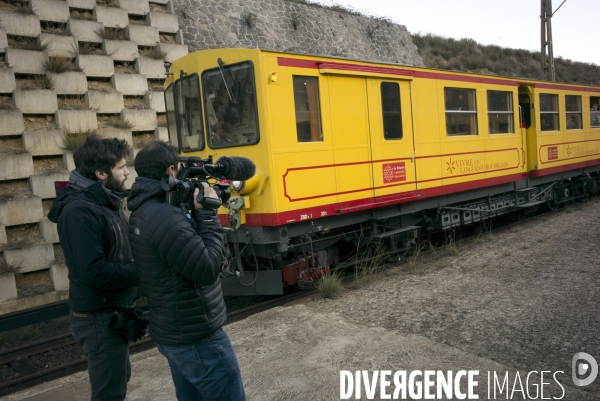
396, 231
525, 189
529, 204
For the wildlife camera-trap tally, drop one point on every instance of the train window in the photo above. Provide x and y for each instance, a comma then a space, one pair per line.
549, 112
188, 113
461, 111
230, 105
390, 105
500, 112
308, 113
171, 121
595, 111
573, 109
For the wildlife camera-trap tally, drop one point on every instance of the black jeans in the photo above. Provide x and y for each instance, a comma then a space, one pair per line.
109, 368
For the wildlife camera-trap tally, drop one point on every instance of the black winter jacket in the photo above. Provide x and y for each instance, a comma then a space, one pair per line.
93, 235
178, 265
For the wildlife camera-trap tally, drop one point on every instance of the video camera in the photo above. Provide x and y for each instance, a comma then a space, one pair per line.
193, 171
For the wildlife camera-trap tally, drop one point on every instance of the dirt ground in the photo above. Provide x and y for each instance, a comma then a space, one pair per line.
521, 301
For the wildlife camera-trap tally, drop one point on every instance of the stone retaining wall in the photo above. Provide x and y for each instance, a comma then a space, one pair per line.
288, 26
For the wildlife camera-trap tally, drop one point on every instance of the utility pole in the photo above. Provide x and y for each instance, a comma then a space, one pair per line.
547, 52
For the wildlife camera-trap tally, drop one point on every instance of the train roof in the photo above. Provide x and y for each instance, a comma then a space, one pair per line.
409, 67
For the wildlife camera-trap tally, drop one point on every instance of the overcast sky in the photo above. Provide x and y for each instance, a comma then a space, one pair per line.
506, 23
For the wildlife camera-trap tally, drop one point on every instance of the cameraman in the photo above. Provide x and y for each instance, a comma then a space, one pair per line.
178, 258
102, 277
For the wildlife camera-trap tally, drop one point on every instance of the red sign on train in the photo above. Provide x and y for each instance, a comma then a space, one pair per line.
553, 153
393, 172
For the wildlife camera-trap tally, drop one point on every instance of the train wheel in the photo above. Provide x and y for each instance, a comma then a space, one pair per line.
552, 205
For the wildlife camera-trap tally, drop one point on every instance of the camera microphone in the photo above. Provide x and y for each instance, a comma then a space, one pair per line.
234, 168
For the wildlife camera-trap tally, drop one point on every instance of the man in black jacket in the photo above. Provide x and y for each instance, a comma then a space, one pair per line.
178, 257
102, 276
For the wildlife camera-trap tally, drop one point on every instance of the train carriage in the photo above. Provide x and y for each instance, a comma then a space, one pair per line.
351, 153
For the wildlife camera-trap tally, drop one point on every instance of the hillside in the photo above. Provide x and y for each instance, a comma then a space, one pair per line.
470, 56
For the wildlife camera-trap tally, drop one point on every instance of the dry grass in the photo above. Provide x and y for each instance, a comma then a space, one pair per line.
59, 65
26, 43
142, 139
330, 285
450, 246
54, 28
16, 6
7, 106
88, 48
20, 244
109, 3
371, 259
153, 52
100, 84
72, 141
111, 33
161, 120
6, 196
72, 102
135, 102
156, 85
39, 82
6, 268
120, 124
83, 14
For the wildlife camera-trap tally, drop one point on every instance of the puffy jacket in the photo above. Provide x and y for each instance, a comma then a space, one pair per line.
178, 265
93, 234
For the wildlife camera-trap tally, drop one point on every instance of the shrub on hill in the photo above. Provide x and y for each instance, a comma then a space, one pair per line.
470, 56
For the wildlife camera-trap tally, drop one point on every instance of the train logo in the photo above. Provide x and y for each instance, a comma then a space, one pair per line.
394, 172
451, 165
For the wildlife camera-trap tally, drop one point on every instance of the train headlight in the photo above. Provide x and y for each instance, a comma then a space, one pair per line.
238, 186
245, 187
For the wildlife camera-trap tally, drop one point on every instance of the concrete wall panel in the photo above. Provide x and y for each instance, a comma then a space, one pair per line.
51, 10
26, 61
42, 185
76, 121
44, 143
22, 210
15, 166
105, 102
30, 258
11, 122
96, 66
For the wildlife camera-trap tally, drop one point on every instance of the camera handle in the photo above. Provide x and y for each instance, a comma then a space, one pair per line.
208, 203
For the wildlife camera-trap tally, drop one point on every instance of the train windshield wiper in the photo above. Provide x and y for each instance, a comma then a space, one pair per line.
220, 62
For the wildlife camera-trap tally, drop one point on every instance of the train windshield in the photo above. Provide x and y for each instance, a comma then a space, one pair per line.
230, 105
184, 114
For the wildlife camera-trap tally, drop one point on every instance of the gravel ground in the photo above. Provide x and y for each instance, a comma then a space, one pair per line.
519, 301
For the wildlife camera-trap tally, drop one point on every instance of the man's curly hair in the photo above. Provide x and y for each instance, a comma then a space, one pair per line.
98, 153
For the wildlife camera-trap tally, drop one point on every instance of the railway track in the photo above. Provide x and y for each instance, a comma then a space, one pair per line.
80, 364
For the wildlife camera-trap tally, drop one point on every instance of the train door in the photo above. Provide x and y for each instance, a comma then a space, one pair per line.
527, 124
392, 142
350, 127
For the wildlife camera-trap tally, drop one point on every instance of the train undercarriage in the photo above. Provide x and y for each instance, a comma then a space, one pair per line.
265, 260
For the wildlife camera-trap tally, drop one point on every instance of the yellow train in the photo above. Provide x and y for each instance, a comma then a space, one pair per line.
352, 152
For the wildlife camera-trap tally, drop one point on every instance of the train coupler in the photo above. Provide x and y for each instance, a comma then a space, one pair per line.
305, 271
